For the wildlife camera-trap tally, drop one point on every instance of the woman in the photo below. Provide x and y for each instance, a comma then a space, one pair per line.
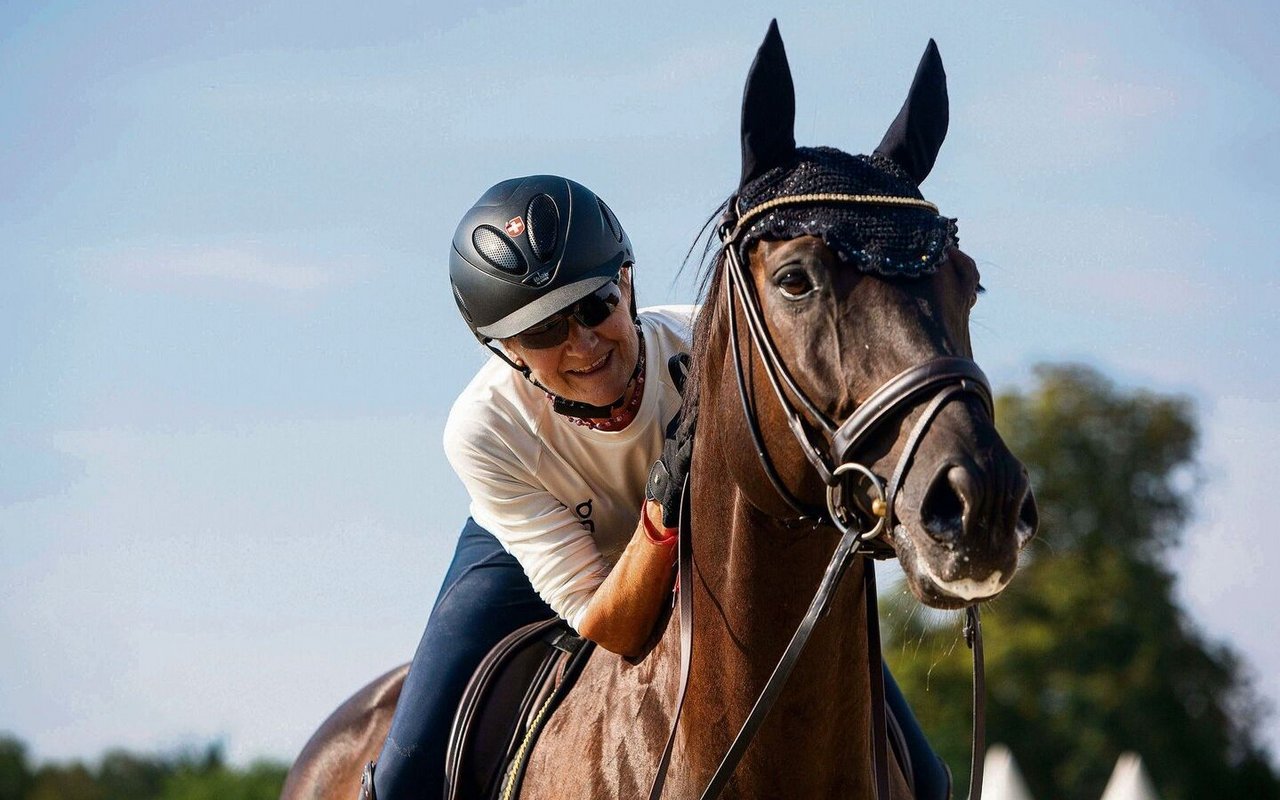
553, 439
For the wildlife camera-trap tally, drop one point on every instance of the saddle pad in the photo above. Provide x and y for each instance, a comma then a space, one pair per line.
522, 675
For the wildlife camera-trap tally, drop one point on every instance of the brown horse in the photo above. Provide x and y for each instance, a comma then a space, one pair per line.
957, 503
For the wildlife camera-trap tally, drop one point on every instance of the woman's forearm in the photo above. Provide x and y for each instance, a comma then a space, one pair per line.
623, 611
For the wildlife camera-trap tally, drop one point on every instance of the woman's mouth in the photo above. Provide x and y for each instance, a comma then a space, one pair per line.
594, 366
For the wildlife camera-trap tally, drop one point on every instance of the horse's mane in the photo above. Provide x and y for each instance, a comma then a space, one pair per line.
710, 268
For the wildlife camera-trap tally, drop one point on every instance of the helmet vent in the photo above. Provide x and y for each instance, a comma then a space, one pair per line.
544, 225
462, 304
498, 250
609, 221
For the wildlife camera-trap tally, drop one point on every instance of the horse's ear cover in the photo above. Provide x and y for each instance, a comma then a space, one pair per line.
768, 110
914, 138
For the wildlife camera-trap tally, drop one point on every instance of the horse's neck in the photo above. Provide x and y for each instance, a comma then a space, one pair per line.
753, 582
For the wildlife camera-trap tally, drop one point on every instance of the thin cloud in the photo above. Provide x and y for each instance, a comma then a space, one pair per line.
1086, 92
1123, 261
154, 568
213, 267
1078, 109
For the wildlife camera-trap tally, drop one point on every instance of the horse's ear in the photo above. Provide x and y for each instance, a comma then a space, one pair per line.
768, 109
914, 138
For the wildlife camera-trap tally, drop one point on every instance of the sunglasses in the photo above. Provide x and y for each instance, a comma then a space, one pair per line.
590, 311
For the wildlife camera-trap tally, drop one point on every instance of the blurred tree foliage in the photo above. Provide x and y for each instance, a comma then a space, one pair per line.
202, 775
1088, 654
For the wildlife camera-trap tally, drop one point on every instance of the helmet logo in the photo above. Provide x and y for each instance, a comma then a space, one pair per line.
515, 226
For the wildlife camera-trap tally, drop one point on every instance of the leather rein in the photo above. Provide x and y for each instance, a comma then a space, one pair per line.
832, 459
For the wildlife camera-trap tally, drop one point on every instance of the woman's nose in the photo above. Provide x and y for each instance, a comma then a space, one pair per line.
582, 340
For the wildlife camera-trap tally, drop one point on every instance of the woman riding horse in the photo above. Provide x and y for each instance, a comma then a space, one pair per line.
554, 438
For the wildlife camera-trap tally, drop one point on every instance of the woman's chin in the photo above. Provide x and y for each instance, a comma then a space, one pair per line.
600, 395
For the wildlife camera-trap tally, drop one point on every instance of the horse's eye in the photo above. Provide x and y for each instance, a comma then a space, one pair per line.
794, 283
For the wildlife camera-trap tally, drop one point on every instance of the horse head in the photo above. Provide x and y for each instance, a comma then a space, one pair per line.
862, 294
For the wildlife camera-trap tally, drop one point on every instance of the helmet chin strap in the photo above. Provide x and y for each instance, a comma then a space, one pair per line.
573, 408
577, 408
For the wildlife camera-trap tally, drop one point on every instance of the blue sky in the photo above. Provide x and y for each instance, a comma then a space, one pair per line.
227, 347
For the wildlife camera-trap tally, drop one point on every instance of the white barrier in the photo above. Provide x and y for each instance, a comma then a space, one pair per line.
1129, 780
1003, 780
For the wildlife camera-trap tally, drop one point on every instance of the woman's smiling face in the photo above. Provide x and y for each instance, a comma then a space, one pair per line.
593, 365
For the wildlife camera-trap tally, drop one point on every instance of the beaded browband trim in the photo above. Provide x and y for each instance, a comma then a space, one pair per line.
828, 197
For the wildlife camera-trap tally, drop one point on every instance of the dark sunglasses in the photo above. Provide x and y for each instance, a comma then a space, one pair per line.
590, 311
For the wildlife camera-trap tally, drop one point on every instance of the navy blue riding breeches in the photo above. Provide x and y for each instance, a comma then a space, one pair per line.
485, 596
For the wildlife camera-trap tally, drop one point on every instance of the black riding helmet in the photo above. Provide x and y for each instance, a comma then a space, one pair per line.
529, 248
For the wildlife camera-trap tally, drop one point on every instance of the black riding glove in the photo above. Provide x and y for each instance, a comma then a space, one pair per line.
666, 478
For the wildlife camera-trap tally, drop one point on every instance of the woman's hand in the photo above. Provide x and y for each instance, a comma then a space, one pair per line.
666, 478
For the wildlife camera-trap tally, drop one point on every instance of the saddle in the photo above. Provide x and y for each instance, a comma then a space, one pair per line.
509, 699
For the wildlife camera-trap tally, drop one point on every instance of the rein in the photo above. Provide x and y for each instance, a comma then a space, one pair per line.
832, 459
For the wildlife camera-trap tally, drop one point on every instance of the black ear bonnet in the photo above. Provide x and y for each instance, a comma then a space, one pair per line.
887, 239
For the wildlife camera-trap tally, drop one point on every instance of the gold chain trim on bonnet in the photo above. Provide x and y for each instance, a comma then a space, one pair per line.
745, 220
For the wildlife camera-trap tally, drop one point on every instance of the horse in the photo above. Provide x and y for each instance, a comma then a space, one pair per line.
799, 330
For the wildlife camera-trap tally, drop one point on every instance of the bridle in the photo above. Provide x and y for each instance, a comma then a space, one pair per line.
831, 451
831, 459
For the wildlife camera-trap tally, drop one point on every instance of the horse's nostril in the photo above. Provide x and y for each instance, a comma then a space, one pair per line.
942, 512
1028, 518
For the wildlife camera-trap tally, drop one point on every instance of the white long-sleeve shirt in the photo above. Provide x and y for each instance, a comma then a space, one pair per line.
562, 498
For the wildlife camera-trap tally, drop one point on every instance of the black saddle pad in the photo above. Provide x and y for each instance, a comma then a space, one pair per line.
516, 686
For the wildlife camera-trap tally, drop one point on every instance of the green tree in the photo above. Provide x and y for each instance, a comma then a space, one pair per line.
185, 775
15, 773
261, 781
126, 776
1088, 653
72, 781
